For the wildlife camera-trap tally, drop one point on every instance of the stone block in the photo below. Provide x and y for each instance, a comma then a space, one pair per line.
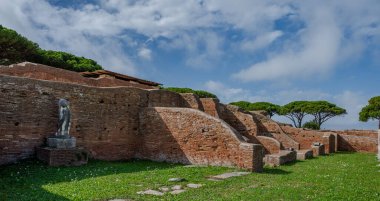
304, 154
318, 149
284, 156
62, 157
61, 143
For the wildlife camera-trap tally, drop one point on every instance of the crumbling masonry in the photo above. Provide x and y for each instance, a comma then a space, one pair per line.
120, 120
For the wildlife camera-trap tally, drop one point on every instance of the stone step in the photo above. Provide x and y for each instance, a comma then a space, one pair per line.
304, 154
284, 156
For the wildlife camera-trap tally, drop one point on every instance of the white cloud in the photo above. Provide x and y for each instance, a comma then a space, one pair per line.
333, 32
225, 94
145, 53
319, 44
261, 41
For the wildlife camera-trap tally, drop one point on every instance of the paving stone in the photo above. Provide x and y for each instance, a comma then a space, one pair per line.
228, 175
176, 179
150, 192
194, 185
164, 189
177, 192
177, 187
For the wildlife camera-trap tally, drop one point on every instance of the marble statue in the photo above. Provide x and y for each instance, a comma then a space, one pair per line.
64, 119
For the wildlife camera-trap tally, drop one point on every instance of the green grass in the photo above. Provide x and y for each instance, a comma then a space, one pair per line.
341, 176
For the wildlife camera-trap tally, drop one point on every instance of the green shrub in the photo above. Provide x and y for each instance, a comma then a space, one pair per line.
311, 125
200, 93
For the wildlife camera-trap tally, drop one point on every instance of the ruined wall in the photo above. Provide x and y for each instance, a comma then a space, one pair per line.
243, 122
271, 145
210, 106
358, 140
189, 136
268, 127
43, 72
307, 137
192, 101
163, 98
104, 120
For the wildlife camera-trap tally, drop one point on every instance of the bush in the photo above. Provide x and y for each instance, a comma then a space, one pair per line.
311, 125
200, 93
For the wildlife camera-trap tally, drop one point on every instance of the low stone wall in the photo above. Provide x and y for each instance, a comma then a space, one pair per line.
359, 133
43, 72
105, 121
357, 143
189, 136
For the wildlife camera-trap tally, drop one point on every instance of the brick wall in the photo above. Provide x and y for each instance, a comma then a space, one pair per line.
104, 120
307, 137
163, 98
268, 127
271, 145
243, 122
192, 101
43, 72
189, 136
358, 141
210, 106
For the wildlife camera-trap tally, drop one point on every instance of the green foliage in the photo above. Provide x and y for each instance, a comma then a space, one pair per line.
101, 180
200, 93
15, 48
67, 61
311, 125
323, 111
371, 111
245, 105
270, 108
295, 111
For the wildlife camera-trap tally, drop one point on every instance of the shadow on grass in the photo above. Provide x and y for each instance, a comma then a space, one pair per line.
25, 180
275, 171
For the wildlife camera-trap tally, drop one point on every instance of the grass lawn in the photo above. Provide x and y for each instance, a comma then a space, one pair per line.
340, 176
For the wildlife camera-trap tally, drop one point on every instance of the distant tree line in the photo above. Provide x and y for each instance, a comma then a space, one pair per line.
296, 111
15, 48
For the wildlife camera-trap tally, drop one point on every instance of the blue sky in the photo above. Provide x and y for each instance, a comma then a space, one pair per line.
254, 50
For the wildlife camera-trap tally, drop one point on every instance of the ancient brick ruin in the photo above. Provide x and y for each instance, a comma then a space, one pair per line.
115, 119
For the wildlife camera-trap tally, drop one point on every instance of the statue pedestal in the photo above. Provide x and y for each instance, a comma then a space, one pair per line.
62, 157
61, 143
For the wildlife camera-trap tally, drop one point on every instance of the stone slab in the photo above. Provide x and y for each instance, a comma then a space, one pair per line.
228, 175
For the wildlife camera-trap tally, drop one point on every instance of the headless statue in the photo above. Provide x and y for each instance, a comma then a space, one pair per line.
64, 119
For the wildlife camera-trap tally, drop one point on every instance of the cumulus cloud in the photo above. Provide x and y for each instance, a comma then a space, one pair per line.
319, 47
